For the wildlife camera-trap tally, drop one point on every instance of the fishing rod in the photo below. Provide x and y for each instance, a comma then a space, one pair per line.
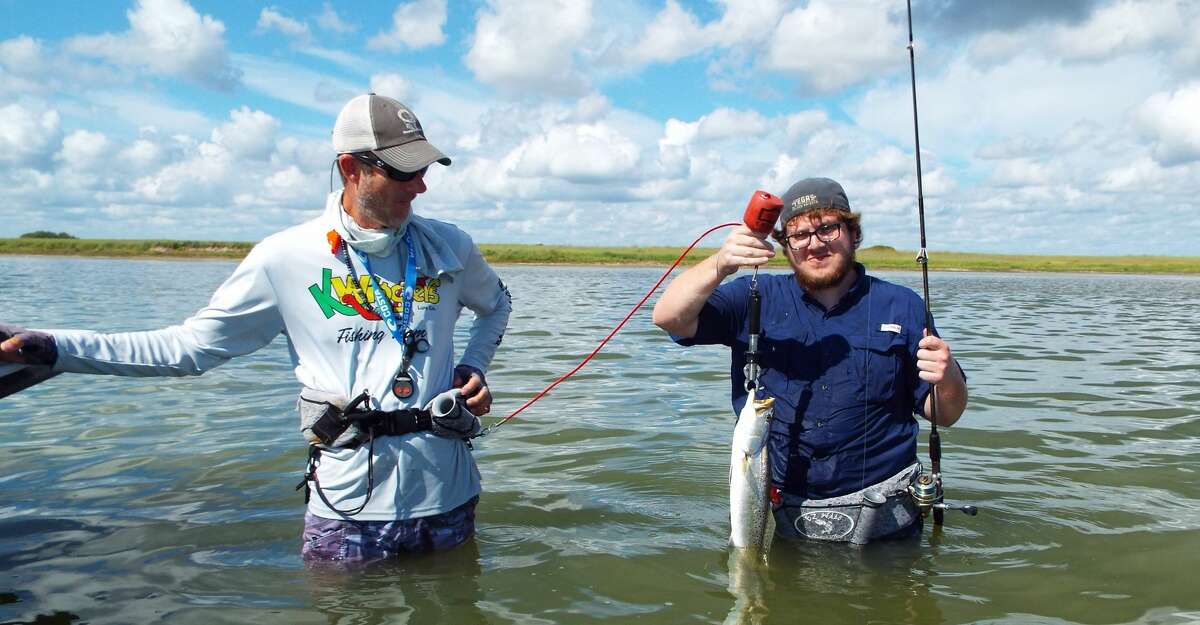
15, 378
927, 491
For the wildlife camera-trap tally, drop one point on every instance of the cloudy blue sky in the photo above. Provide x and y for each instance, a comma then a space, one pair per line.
1047, 127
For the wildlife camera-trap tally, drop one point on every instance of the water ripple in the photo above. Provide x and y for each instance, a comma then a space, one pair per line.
171, 500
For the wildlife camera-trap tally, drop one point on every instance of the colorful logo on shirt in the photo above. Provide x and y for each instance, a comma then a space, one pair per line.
336, 295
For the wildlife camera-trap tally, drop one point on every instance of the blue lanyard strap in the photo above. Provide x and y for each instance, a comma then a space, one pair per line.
383, 303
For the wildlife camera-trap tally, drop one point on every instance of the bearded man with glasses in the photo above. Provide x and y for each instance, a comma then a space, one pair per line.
845, 355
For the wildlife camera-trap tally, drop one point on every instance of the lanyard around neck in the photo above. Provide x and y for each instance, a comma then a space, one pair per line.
382, 304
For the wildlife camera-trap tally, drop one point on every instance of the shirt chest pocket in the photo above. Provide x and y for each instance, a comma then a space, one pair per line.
786, 349
879, 361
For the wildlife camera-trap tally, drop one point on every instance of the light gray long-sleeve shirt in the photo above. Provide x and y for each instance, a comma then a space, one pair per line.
292, 283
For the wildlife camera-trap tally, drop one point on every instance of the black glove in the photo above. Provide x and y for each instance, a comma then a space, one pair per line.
465, 371
37, 348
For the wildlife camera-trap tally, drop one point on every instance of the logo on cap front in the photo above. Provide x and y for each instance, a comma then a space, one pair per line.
804, 201
411, 124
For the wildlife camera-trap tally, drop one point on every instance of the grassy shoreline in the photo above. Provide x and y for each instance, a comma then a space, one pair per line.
878, 257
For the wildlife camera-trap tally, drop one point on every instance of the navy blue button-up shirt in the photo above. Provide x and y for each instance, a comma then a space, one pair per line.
844, 380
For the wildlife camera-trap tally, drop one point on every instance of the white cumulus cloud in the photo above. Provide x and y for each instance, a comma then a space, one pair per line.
674, 33
290, 186
523, 46
1114, 30
1173, 120
417, 24
168, 37
29, 66
22, 55
392, 86
832, 45
1023, 172
247, 134
85, 149
1122, 27
1141, 174
27, 133
749, 22
888, 161
331, 21
804, 123
581, 153
204, 177
141, 155
270, 19
23, 61
725, 123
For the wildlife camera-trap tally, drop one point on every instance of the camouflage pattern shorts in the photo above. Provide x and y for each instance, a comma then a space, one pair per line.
340, 540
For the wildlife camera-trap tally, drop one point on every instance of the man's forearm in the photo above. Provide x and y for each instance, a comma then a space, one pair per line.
951, 396
486, 333
678, 310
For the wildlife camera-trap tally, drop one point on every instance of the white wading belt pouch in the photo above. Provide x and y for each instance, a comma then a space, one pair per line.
859, 517
321, 416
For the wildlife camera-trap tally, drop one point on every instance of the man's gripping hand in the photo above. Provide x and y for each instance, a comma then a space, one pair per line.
26, 347
474, 389
935, 364
742, 248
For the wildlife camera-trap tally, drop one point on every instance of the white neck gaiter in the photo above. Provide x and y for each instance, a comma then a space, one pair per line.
367, 240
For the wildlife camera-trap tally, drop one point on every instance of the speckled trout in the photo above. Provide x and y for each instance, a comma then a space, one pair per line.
751, 522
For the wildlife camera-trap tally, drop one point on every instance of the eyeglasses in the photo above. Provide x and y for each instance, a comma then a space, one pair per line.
389, 171
825, 233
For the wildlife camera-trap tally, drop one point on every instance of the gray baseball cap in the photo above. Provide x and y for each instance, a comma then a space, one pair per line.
379, 124
811, 193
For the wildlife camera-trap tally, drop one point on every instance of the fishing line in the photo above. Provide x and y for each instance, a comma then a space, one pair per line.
606, 339
604, 342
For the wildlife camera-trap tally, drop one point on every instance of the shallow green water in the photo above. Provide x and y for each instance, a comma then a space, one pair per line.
147, 500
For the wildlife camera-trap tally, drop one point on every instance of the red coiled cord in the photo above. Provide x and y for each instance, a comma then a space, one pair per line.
610, 334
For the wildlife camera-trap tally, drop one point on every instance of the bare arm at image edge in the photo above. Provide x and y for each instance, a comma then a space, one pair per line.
678, 310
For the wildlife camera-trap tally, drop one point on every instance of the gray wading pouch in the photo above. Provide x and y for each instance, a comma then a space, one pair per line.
313, 405
858, 517
451, 417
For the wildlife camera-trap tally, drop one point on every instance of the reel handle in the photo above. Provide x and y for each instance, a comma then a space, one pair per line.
968, 510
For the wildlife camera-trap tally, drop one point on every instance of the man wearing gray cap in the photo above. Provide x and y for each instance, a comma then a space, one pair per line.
845, 355
367, 295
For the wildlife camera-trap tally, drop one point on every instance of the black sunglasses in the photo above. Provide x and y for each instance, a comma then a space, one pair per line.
389, 171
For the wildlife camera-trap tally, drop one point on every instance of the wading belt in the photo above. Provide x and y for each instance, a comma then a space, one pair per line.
334, 421
393, 422
858, 517
370, 423
373, 423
